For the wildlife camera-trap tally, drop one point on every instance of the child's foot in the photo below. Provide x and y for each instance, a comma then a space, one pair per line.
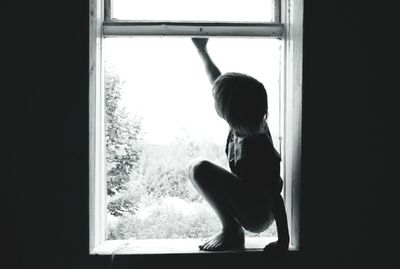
225, 240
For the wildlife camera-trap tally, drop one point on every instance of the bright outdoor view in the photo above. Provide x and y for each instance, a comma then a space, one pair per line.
195, 10
159, 117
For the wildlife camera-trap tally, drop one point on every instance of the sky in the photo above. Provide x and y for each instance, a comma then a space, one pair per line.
165, 82
194, 10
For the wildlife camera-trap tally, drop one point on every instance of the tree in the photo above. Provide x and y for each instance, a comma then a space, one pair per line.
123, 148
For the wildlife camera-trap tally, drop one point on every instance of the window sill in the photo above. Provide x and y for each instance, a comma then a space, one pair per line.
171, 246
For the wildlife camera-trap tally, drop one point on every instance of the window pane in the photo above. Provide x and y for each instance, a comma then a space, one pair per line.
195, 10
160, 116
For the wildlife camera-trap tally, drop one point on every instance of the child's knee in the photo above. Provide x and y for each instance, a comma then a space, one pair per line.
198, 169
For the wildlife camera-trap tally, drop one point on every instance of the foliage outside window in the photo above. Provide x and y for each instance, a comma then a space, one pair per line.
149, 195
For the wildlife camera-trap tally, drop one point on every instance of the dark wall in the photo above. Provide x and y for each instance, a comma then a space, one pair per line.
44, 105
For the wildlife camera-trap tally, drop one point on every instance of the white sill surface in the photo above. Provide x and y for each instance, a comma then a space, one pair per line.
170, 246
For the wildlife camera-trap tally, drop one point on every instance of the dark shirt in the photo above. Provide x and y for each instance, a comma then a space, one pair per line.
254, 160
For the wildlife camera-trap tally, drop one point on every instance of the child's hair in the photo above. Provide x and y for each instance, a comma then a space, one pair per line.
241, 100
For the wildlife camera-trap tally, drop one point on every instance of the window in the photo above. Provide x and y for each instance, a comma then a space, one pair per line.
143, 60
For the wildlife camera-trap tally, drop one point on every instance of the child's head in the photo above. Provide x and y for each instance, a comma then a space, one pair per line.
242, 101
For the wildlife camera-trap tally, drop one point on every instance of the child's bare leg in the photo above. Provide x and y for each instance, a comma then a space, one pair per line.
217, 186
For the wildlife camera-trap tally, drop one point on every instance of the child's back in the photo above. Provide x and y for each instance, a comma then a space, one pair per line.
254, 159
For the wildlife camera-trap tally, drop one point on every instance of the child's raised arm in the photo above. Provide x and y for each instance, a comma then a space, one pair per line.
211, 69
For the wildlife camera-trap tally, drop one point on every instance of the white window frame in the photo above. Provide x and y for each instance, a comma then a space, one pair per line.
287, 25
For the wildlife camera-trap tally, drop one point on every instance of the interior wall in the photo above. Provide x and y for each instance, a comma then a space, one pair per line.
44, 215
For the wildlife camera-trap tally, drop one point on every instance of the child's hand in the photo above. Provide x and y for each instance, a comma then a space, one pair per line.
276, 250
200, 43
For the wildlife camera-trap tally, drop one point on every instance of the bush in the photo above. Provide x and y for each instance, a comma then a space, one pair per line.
166, 220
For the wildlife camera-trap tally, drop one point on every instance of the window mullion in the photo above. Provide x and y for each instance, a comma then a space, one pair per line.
277, 11
108, 10
126, 28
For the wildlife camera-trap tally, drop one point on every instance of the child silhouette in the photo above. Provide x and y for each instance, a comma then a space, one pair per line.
247, 196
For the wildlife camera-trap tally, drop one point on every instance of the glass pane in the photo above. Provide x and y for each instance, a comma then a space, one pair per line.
160, 117
194, 10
